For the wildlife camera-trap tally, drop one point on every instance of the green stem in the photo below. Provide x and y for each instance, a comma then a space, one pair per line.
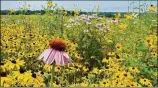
52, 75
62, 79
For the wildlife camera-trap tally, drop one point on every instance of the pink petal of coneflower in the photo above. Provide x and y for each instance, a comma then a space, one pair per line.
51, 57
66, 58
57, 57
45, 54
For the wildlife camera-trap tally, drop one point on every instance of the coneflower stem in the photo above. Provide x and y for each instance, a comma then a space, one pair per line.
52, 74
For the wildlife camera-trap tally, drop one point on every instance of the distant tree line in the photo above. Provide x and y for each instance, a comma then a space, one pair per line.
41, 12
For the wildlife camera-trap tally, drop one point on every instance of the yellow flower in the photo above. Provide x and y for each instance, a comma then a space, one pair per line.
154, 54
50, 4
111, 53
76, 12
128, 17
36, 80
152, 8
2, 67
29, 5
134, 69
97, 7
65, 12
106, 60
14, 64
110, 41
93, 85
11, 10
118, 46
104, 83
145, 81
47, 67
95, 71
84, 84
122, 26
6, 80
85, 69
149, 41
57, 69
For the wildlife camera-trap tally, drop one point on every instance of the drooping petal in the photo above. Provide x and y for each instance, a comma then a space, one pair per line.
51, 57
62, 59
66, 58
57, 57
45, 54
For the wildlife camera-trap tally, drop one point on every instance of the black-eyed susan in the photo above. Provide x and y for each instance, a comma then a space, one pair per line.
152, 8
144, 81
84, 84
128, 16
134, 69
149, 41
94, 85
85, 69
47, 67
14, 64
37, 80
76, 12
6, 80
126, 75
11, 10
104, 83
118, 46
2, 67
57, 69
107, 59
111, 53
153, 54
50, 4
122, 26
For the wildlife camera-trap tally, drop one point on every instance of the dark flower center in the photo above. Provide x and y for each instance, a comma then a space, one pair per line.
1, 63
76, 66
133, 68
118, 47
3, 74
58, 44
13, 61
117, 56
42, 73
125, 75
22, 71
104, 82
34, 75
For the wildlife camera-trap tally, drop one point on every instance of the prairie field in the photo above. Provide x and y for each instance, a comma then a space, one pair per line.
119, 51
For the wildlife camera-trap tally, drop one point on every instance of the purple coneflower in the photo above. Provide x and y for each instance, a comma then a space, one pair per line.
55, 52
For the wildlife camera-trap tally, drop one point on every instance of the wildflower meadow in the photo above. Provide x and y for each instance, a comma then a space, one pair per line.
62, 48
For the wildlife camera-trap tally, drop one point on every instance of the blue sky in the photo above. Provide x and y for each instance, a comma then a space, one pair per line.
105, 6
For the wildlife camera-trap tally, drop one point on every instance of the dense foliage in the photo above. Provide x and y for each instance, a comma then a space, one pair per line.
106, 52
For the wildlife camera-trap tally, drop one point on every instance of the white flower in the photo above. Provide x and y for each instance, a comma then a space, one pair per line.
99, 18
65, 24
85, 31
135, 15
94, 15
153, 20
68, 26
88, 23
115, 21
71, 20
99, 25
